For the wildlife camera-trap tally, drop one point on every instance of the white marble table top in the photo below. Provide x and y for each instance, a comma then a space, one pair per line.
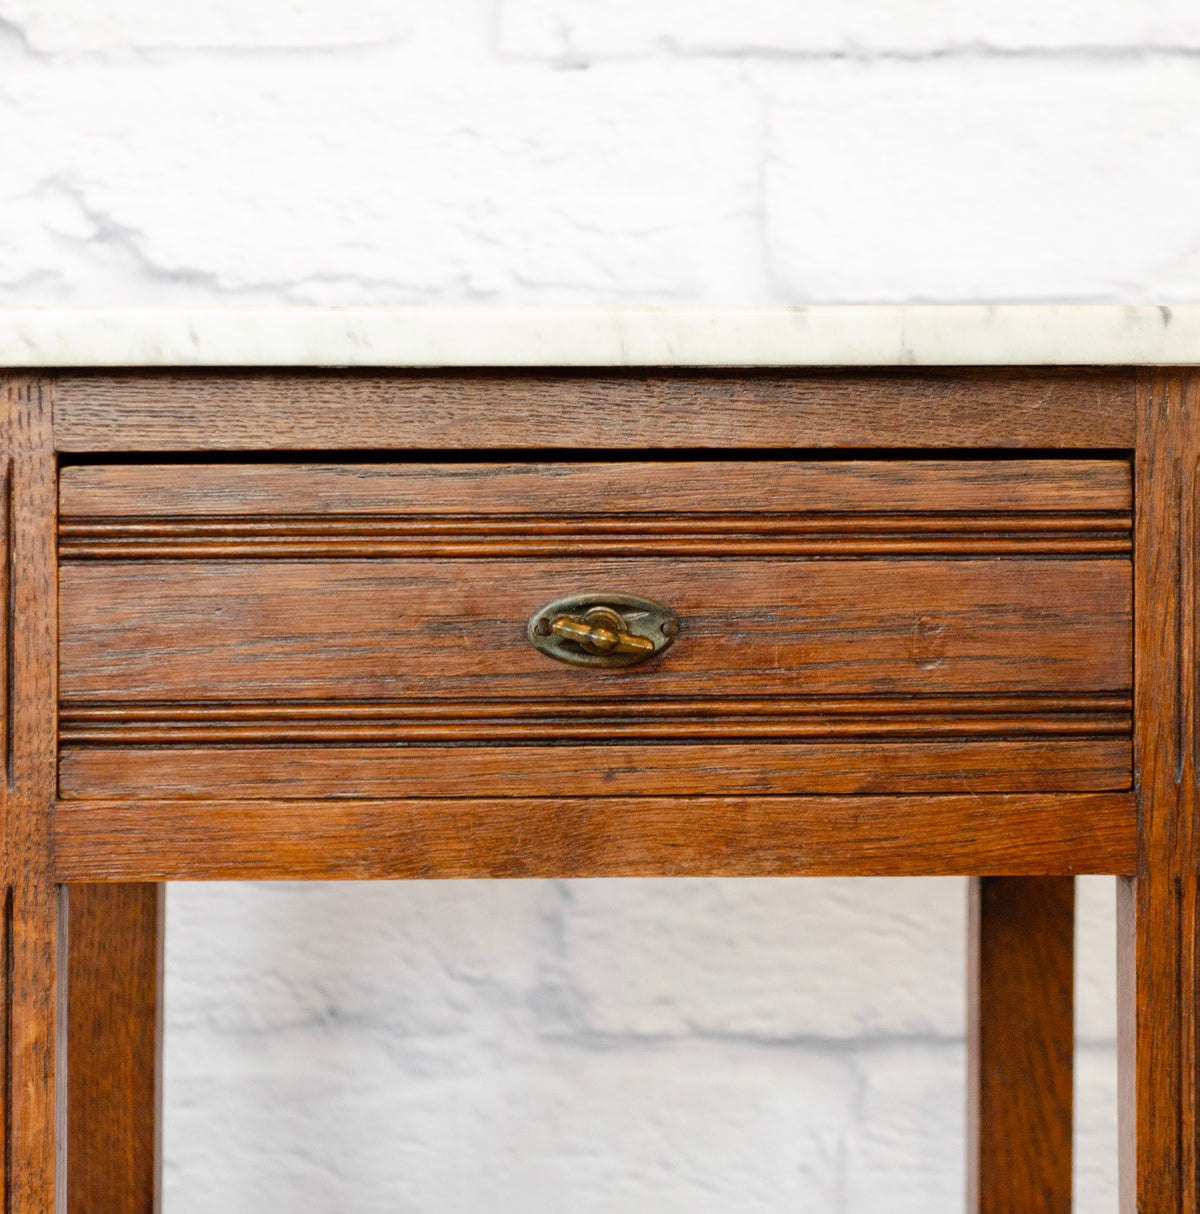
600, 337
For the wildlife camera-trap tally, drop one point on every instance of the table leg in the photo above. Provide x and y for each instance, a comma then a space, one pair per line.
1021, 1040
1158, 935
1158, 917
114, 1018
33, 918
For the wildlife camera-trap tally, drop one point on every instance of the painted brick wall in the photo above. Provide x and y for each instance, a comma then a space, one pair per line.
607, 1046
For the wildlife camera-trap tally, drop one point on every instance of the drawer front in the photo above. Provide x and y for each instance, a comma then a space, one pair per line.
360, 629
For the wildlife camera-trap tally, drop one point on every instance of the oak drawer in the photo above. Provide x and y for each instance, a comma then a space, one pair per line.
359, 629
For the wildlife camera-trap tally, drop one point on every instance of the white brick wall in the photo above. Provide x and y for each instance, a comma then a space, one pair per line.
689, 1046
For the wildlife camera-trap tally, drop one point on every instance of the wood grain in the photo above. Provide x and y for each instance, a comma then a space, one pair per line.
35, 953
659, 490
267, 669
456, 629
115, 1044
711, 508
255, 411
351, 658
594, 837
694, 769
342, 539
1159, 929
593, 720
1021, 1040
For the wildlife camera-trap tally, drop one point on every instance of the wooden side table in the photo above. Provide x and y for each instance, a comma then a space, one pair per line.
388, 595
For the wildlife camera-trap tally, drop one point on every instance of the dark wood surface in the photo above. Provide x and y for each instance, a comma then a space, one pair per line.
752, 491
581, 719
594, 837
33, 1015
388, 629
725, 536
114, 1016
1158, 927
692, 769
205, 657
262, 410
932, 668
1021, 1040
613, 508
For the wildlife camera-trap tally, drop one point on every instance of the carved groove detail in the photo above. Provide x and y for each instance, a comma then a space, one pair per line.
816, 534
592, 720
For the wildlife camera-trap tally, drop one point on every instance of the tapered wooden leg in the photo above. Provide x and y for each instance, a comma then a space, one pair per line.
114, 1046
1021, 1042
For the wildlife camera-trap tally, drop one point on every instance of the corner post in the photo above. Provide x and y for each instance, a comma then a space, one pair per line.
34, 921
1157, 909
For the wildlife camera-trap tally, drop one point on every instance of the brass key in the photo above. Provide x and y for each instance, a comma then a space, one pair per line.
600, 630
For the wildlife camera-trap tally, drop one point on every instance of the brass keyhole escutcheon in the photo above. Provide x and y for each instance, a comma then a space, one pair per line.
603, 630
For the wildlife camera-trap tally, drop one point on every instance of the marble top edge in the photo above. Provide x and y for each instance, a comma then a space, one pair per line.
926, 335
